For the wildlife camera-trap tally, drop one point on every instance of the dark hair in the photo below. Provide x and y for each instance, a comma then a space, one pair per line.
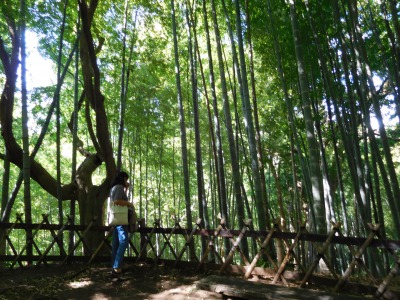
120, 178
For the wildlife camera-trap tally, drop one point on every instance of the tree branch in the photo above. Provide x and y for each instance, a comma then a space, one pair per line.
5, 58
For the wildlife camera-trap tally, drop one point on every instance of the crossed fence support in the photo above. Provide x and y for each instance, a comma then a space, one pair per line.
6, 237
321, 255
211, 250
188, 241
236, 247
30, 241
383, 287
262, 251
289, 254
357, 258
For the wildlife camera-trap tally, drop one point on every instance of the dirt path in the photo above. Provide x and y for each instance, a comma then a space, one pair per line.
139, 281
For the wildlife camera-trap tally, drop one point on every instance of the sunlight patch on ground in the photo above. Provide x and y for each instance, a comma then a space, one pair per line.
99, 296
79, 284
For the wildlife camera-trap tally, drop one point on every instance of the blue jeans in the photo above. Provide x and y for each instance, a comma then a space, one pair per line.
120, 242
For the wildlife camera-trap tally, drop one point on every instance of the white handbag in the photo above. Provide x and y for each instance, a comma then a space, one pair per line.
117, 215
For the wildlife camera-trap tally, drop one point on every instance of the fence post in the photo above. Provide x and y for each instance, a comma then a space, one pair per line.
142, 226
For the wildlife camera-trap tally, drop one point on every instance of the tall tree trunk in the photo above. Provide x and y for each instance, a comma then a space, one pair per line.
260, 154
366, 71
122, 108
395, 45
223, 198
219, 193
139, 150
159, 173
237, 178
290, 112
5, 188
95, 198
221, 182
347, 125
248, 117
317, 204
58, 120
25, 134
72, 211
92, 197
331, 93
367, 87
393, 67
184, 151
328, 192
203, 209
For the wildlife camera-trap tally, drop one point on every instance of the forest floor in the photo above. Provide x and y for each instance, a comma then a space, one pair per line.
76, 282
139, 281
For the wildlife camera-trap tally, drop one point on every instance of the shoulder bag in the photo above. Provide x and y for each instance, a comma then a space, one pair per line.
117, 215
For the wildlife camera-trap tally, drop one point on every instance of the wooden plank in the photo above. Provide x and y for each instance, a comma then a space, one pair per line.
238, 287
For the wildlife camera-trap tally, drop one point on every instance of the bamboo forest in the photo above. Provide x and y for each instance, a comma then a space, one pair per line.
253, 114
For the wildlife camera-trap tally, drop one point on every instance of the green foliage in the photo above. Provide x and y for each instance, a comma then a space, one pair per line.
152, 145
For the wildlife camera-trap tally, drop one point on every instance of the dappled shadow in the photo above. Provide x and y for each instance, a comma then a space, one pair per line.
143, 281
139, 281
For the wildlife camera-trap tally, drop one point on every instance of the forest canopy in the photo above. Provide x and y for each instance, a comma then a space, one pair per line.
276, 111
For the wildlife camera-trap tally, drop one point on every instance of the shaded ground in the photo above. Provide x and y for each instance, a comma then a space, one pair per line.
139, 281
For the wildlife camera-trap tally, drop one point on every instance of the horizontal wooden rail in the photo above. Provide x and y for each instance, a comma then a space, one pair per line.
310, 237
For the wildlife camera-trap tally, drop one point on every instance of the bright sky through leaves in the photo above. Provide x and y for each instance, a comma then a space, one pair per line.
40, 70
40, 73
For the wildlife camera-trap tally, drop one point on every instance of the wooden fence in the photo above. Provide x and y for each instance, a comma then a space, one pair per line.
154, 241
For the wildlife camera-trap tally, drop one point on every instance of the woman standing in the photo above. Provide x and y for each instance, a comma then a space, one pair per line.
120, 239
